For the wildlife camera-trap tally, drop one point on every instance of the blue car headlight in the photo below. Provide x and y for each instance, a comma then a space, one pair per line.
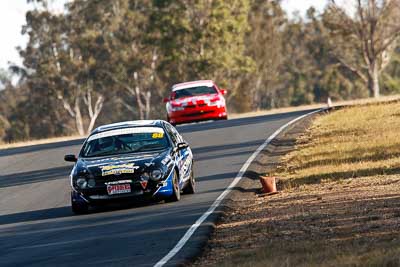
84, 179
81, 183
156, 174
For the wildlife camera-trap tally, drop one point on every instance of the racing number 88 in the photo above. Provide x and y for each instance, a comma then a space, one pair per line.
157, 135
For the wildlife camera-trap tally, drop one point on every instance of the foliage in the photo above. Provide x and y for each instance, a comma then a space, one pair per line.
364, 41
202, 40
104, 61
391, 75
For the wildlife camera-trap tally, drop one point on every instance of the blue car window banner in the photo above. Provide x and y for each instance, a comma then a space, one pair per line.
154, 130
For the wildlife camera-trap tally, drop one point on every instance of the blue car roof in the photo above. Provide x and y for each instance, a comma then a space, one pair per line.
127, 124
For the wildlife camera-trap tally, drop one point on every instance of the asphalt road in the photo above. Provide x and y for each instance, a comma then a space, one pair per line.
37, 227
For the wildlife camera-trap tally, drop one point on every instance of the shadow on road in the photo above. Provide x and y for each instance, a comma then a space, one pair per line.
35, 148
34, 176
62, 212
36, 215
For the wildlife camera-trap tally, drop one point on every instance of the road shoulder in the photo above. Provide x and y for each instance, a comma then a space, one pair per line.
339, 200
231, 232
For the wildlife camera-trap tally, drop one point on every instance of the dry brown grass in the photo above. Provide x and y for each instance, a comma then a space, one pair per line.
353, 142
329, 224
340, 203
314, 106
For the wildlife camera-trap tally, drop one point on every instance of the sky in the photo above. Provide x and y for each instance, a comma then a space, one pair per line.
12, 18
291, 6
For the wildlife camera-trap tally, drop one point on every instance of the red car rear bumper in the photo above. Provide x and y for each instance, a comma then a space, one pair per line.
198, 114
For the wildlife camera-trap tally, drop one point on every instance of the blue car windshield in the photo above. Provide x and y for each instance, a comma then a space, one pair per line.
122, 141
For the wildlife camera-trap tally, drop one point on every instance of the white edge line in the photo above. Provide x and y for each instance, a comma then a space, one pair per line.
218, 201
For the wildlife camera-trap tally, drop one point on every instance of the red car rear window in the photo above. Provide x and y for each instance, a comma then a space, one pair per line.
193, 91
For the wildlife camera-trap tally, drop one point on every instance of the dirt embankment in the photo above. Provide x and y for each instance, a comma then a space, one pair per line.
340, 198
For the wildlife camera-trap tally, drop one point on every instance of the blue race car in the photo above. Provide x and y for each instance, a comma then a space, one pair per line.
130, 160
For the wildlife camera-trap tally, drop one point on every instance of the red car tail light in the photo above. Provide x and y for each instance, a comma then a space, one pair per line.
215, 99
175, 104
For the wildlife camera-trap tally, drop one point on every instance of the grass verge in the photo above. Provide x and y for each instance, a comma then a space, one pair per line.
315, 106
352, 142
340, 199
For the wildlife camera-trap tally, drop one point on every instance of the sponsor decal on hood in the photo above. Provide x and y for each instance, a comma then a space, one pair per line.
118, 169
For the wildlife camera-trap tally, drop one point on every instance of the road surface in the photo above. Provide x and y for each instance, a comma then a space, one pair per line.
37, 227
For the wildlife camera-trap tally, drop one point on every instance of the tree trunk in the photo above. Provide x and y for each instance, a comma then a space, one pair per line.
373, 81
256, 94
138, 94
78, 117
97, 109
139, 103
147, 97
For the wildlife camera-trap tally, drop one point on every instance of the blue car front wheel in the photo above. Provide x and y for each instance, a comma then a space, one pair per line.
176, 194
78, 205
190, 188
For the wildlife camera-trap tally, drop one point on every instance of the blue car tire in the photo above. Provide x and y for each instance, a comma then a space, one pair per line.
176, 194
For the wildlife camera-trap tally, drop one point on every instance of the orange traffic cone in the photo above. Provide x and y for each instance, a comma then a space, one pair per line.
268, 184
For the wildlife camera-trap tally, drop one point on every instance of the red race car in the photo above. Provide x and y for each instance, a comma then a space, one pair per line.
196, 101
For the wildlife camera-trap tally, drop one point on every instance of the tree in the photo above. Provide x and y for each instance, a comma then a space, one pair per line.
391, 75
201, 40
5, 79
326, 77
363, 42
134, 59
62, 58
7, 99
99, 59
264, 44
